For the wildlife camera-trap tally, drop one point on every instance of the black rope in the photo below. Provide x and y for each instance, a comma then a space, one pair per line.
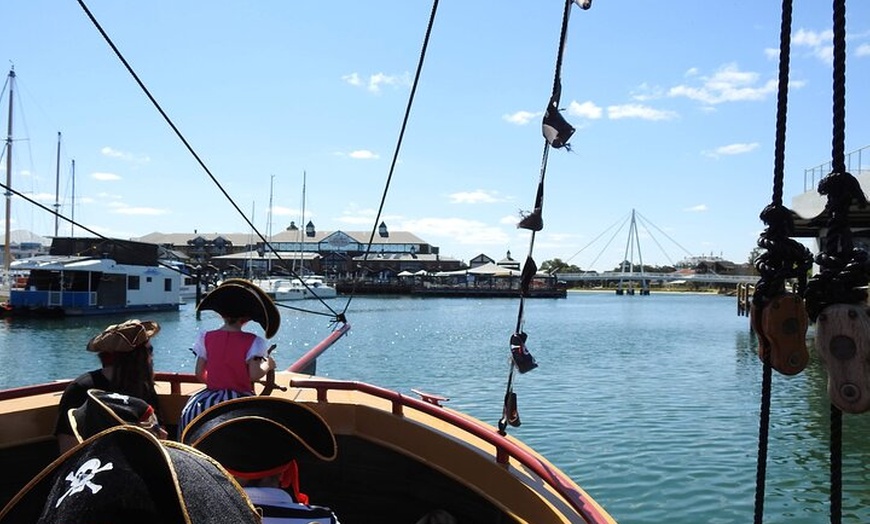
836, 509
763, 430
556, 133
115, 242
398, 148
844, 270
193, 152
784, 258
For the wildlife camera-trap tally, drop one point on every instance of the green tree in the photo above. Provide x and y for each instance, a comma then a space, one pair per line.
558, 266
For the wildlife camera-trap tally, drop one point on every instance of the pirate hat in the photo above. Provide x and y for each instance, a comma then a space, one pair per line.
103, 410
237, 298
251, 435
124, 337
124, 474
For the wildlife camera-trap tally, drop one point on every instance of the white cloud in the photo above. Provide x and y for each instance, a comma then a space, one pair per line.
364, 154
521, 118
105, 177
282, 211
736, 149
478, 196
465, 232
697, 209
586, 110
40, 197
352, 79
123, 155
374, 82
863, 50
728, 84
639, 111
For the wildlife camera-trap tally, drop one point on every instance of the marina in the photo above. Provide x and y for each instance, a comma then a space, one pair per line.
637, 407
650, 403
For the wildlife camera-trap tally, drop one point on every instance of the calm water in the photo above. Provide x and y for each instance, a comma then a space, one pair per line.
649, 403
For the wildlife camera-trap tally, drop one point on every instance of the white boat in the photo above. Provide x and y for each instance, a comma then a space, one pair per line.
92, 276
286, 289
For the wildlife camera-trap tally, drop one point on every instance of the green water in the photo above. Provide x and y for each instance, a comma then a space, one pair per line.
649, 403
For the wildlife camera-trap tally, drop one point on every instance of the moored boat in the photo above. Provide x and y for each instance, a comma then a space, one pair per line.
92, 276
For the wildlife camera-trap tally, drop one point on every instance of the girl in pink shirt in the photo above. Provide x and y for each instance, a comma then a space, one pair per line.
229, 361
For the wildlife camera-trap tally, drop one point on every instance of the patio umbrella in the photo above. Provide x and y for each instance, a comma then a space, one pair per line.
237, 297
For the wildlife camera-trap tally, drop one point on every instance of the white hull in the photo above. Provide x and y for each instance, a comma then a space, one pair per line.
286, 289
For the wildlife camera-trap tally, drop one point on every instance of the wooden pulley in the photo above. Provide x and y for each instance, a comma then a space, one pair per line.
843, 346
782, 327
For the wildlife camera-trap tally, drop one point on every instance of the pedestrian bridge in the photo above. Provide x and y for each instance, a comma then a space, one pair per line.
700, 278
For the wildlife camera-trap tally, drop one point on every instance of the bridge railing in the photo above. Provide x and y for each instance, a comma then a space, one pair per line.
706, 278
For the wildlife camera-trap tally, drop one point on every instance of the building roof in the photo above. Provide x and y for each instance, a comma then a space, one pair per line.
243, 239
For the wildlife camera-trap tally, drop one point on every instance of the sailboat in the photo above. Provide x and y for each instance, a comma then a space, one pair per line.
304, 285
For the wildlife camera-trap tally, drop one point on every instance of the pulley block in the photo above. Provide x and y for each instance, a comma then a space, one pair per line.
843, 346
782, 327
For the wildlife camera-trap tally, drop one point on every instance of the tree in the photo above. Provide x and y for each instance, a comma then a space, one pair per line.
558, 266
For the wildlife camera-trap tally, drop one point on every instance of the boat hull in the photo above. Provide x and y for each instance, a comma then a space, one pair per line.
399, 457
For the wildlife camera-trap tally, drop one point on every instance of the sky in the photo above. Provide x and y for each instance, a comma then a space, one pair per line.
674, 105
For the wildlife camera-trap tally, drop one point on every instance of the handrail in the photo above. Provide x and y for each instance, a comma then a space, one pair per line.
504, 448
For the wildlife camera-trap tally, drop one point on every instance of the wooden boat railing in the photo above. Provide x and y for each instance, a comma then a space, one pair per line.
505, 448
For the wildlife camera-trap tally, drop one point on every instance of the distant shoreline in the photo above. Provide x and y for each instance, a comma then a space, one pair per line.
652, 291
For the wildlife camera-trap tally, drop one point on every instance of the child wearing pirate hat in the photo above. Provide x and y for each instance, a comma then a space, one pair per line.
257, 440
126, 355
229, 359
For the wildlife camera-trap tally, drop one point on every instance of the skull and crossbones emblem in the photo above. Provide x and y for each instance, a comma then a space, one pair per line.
83, 478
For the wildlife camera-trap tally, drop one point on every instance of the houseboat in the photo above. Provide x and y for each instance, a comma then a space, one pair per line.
93, 276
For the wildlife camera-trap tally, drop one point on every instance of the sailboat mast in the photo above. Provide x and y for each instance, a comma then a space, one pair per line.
72, 224
7, 240
268, 253
303, 230
57, 187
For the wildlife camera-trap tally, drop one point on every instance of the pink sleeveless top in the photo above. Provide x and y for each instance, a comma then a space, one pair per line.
226, 367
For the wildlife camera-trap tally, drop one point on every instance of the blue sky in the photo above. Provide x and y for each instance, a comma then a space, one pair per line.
674, 105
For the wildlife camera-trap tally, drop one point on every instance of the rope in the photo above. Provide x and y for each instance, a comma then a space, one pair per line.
836, 499
783, 258
190, 149
763, 429
843, 274
556, 132
398, 142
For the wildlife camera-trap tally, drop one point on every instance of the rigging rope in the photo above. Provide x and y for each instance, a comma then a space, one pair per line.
557, 131
338, 317
398, 143
779, 262
844, 271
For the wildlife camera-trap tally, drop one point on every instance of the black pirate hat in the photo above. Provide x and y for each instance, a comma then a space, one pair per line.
237, 297
250, 435
124, 474
103, 410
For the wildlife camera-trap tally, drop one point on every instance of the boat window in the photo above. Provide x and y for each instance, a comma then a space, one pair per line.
167, 284
132, 282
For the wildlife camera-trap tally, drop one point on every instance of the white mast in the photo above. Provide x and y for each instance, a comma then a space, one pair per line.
267, 252
6, 253
72, 225
303, 230
57, 187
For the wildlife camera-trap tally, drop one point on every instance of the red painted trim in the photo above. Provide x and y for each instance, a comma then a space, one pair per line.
503, 447
306, 359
